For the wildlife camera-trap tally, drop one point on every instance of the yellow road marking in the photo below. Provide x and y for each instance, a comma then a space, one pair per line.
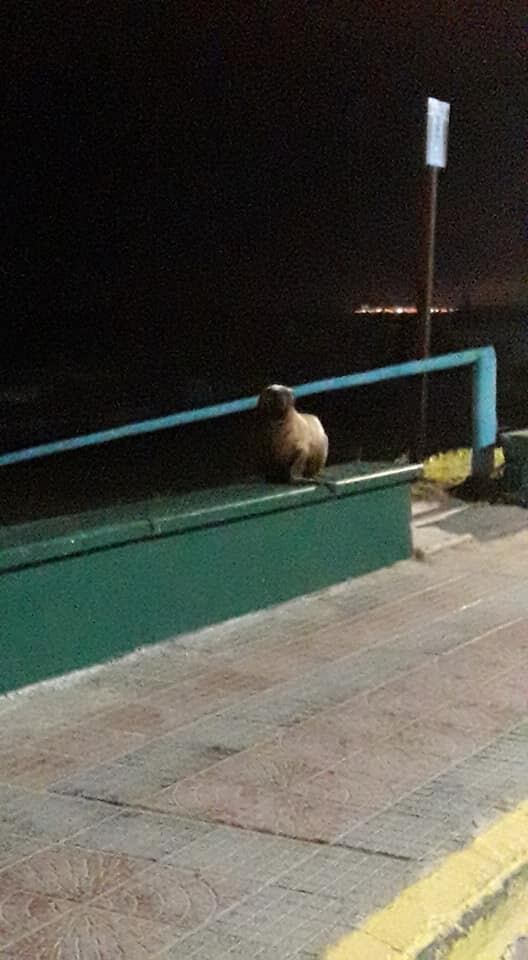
432, 907
490, 936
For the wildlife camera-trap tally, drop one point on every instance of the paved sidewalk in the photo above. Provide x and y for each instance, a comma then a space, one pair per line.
518, 950
255, 790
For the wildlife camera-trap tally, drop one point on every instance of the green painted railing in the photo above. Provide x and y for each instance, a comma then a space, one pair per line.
481, 359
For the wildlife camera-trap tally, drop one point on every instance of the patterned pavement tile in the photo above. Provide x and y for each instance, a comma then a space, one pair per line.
22, 912
313, 815
182, 899
393, 833
281, 661
31, 766
286, 919
91, 934
224, 733
338, 732
45, 817
272, 764
149, 718
37, 759
134, 776
396, 617
207, 692
71, 873
90, 743
138, 833
146, 673
510, 694
16, 846
249, 859
434, 742
214, 944
45, 707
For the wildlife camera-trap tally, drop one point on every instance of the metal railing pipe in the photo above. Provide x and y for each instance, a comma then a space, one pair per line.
484, 426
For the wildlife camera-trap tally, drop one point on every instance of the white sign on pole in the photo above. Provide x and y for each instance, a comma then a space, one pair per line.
437, 130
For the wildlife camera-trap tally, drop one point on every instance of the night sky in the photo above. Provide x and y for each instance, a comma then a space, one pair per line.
165, 163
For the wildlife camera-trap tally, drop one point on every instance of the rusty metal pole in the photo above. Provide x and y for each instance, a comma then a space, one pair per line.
437, 126
424, 302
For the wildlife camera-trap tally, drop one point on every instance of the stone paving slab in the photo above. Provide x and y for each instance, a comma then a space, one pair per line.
260, 787
518, 950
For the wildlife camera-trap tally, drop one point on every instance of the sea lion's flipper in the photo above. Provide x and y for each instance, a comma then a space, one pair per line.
298, 467
316, 481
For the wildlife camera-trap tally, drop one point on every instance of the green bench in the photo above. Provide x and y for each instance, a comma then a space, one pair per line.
78, 590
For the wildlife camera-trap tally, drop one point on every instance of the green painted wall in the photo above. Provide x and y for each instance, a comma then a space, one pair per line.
515, 445
68, 602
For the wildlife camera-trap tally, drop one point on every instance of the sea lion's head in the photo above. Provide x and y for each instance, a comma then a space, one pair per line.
275, 401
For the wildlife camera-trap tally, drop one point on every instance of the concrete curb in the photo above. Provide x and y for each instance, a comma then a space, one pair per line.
472, 907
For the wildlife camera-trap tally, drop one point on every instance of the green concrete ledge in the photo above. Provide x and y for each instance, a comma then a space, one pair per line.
79, 590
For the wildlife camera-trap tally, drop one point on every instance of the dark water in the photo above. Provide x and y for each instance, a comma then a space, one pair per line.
378, 422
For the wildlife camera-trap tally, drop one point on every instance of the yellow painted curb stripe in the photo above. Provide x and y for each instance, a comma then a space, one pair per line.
432, 907
490, 937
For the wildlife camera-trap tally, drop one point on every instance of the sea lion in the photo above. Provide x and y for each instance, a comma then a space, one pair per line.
293, 445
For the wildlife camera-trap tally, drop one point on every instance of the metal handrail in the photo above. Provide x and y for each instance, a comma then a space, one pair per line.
484, 410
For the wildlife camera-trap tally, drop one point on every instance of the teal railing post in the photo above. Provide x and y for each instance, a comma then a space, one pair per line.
484, 411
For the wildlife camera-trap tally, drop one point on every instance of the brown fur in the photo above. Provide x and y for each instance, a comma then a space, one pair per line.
293, 445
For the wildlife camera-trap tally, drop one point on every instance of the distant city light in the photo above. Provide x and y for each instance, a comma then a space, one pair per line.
365, 308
